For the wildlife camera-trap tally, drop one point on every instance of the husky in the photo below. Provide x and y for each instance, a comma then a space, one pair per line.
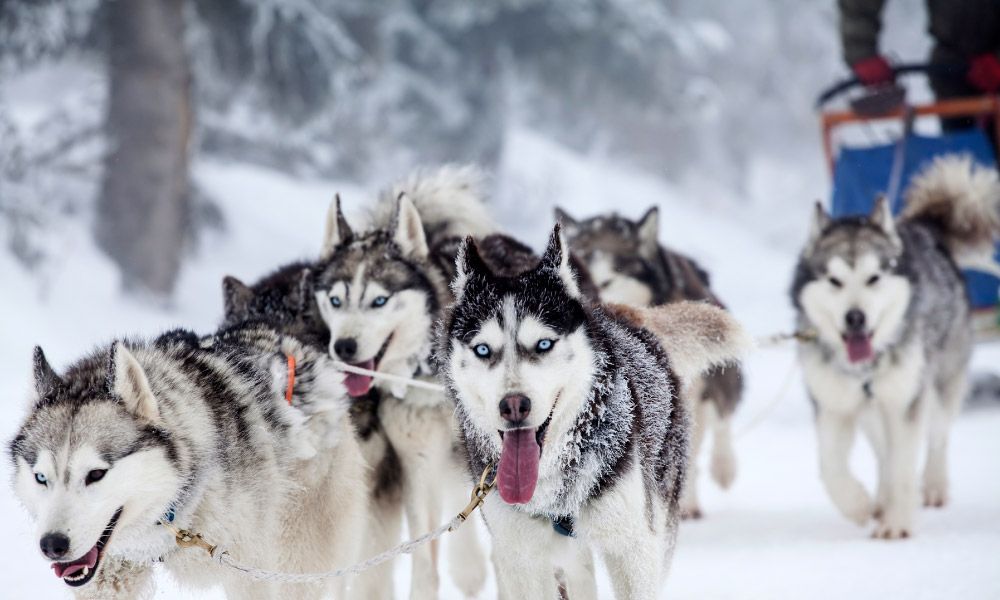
575, 406
379, 294
282, 299
628, 265
886, 302
212, 435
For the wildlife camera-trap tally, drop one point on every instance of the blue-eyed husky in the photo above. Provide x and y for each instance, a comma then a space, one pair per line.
575, 405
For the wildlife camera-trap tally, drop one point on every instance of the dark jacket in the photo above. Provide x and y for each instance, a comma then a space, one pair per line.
961, 28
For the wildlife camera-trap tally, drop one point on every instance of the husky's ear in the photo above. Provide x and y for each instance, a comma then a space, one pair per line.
467, 262
409, 229
556, 258
881, 217
648, 229
337, 230
46, 379
820, 221
128, 381
236, 297
570, 226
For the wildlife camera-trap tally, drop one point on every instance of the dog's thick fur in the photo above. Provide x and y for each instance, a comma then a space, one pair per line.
601, 387
198, 429
629, 265
888, 304
379, 294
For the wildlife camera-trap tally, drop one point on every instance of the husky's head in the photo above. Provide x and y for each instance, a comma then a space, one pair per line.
377, 294
518, 357
852, 284
92, 464
621, 255
282, 300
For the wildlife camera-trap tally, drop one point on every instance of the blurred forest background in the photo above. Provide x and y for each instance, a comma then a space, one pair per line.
105, 106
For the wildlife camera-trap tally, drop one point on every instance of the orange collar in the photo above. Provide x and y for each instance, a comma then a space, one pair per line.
291, 380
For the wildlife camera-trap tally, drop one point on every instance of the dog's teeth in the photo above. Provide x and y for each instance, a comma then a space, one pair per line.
85, 571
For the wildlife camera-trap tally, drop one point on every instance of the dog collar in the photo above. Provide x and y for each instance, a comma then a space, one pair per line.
290, 390
564, 526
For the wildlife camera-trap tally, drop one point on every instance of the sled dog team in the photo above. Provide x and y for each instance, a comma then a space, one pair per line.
583, 380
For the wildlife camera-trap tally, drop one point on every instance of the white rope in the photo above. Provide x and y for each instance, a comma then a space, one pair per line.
764, 412
225, 559
342, 366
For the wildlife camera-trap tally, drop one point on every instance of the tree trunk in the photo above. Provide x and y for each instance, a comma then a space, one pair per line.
143, 210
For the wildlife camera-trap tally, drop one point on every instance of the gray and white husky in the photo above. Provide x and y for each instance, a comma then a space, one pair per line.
575, 404
887, 303
628, 265
379, 294
198, 433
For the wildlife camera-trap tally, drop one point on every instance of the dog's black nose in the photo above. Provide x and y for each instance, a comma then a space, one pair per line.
515, 408
345, 348
55, 545
855, 320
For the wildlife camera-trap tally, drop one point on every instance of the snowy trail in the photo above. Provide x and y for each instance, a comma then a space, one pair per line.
773, 535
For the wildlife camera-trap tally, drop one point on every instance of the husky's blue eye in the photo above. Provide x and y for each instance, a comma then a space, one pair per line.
94, 476
40, 478
335, 301
544, 345
482, 350
379, 301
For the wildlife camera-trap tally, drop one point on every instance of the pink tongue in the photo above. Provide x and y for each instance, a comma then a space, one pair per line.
518, 470
358, 385
88, 560
859, 348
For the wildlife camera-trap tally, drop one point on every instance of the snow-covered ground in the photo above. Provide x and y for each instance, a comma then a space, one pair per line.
773, 535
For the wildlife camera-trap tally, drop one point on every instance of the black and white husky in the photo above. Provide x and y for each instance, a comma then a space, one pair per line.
575, 405
211, 435
379, 293
628, 265
887, 303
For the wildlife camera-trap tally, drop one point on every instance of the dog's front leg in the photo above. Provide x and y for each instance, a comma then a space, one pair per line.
835, 432
522, 553
903, 426
420, 510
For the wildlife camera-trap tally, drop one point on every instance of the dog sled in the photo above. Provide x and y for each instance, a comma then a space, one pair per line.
891, 144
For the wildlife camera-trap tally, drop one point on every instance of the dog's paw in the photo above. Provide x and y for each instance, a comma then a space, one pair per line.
895, 524
886, 531
935, 496
723, 468
692, 512
854, 502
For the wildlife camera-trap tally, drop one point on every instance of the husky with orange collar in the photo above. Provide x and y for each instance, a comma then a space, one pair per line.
242, 436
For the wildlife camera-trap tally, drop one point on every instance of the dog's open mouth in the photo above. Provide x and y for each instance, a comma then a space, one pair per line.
859, 346
359, 385
80, 571
517, 473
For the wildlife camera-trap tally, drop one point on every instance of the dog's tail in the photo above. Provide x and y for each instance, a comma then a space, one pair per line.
448, 199
695, 335
962, 200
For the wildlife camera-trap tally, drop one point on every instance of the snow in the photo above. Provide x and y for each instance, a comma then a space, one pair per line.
773, 535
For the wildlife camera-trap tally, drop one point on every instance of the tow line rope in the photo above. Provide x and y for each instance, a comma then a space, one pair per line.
189, 539
771, 341
342, 366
